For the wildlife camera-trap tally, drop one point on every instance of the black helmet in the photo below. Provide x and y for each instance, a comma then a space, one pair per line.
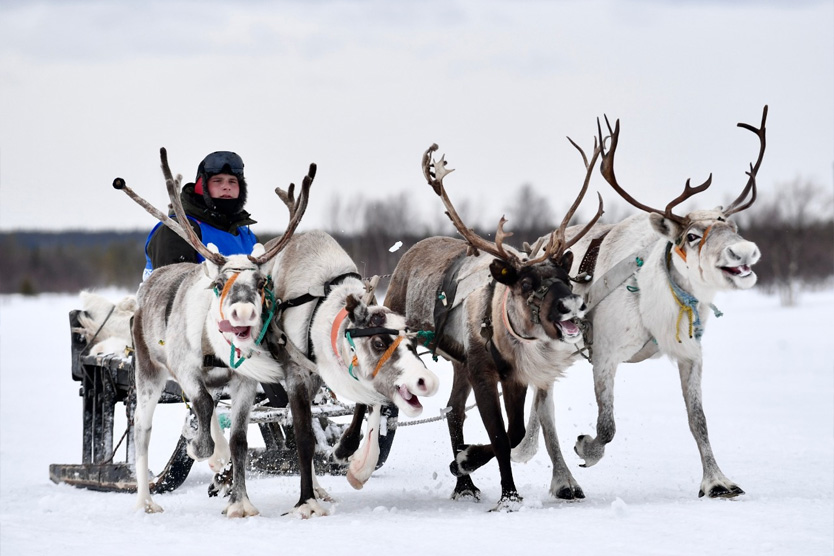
221, 162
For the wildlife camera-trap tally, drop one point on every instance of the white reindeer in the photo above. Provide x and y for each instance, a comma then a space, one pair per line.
105, 323
651, 292
188, 317
362, 350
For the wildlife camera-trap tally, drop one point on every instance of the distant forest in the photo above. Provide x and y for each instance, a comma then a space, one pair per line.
794, 230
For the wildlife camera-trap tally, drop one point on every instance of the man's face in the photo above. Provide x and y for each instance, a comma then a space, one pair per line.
223, 186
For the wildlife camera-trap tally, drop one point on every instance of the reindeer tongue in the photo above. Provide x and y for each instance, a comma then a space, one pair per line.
569, 328
226, 326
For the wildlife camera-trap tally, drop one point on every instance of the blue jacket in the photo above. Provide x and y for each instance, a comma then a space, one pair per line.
227, 243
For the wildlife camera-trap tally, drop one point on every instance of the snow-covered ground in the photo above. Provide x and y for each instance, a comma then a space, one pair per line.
768, 395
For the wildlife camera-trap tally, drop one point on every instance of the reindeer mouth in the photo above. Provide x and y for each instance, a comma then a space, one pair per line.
739, 271
241, 332
569, 331
409, 398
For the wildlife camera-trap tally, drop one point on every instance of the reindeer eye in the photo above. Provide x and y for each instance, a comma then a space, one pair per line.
378, 344
526, 285
692, 238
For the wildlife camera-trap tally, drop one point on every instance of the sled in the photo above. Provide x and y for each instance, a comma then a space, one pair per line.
108, 380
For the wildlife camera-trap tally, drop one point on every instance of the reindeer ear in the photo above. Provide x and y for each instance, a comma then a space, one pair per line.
210, 268
356, 309
503, 272
566, 262
258, 250
665, 227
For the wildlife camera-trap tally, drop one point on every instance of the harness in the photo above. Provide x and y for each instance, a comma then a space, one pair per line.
445, 300
308, 297
487, 331
686, 301
267, 303
351, 333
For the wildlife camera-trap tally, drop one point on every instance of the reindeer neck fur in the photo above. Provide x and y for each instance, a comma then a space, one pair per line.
333, 366
659, 309
538, 359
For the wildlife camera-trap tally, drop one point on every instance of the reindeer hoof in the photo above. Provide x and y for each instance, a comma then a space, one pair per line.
243, 508
587, 449
509, 502
569, 493
720, 491
465, 489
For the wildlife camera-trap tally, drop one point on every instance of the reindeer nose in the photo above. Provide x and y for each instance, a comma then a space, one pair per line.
243, 312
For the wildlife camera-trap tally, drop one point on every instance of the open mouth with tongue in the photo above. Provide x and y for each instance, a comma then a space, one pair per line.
409, 398
241, 332
740, 271
570, 332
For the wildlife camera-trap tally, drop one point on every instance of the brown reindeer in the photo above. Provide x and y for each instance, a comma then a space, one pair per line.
505, 318
203, 326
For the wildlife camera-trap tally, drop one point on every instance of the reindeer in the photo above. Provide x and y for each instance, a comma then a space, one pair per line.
106, 325
203, 326
651, 293
504, 318
362, 351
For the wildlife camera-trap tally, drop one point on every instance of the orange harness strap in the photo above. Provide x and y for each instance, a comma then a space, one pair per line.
226, 287
387, 355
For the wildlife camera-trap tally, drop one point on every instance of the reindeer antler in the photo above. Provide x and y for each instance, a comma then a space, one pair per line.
434, 172
173, 187
736, 206
557, 244
296, 208
607, 169
185, 232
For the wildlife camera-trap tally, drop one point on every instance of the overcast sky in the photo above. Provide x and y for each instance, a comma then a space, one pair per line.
90, 90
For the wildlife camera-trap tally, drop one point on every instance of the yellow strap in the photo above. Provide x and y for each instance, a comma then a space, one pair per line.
684, 309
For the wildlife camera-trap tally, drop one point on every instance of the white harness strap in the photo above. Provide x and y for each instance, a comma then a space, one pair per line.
615, 277
610, 281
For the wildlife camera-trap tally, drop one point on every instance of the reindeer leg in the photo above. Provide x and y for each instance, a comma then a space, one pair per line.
349, 442
150, 382
201, 447
222, 454
363, 462
529, 445
465, 488
489, 406
305, 441
480, 454
714, 483
563, 485
243, 393
587, 447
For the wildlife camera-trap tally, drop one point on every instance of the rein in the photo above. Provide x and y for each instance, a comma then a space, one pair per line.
506, 319
351, 333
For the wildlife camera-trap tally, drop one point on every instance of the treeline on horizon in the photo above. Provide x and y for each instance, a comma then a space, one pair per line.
794, 230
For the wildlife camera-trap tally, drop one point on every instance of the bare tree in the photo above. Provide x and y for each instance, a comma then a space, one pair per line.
795, 229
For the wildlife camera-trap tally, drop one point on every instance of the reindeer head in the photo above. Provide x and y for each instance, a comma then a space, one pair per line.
538, 301
239, 287
705, 244
384, 354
